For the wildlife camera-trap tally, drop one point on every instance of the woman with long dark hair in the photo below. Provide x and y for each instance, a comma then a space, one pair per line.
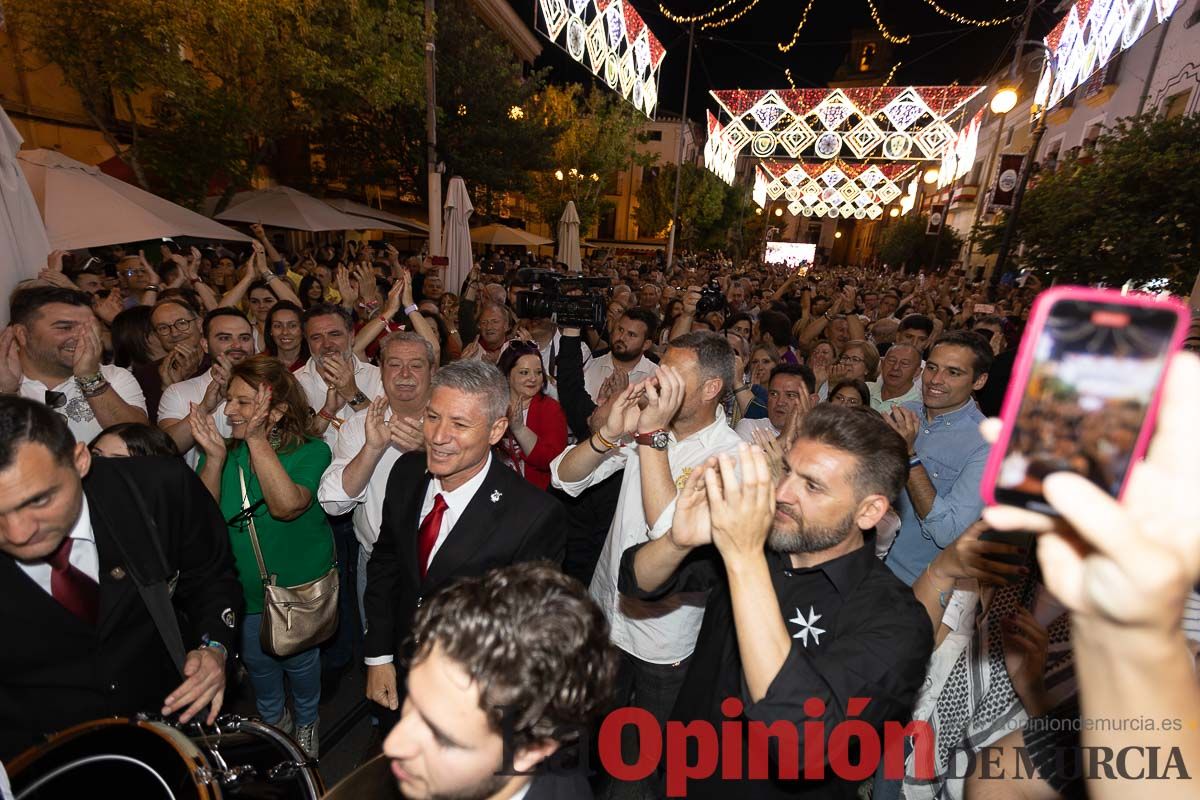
284, 330
537, 426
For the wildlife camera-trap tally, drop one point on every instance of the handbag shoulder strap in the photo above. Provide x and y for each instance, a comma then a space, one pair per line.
258, 556
155, 594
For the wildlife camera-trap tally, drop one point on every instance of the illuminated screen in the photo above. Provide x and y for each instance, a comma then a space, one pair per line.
792, 254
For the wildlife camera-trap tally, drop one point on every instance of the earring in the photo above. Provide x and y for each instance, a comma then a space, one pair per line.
275, 436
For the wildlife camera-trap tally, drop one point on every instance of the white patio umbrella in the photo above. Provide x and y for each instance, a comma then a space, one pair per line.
407, 224
83, 207
502, 235
568, 239
456, 234
23, 244
285, 207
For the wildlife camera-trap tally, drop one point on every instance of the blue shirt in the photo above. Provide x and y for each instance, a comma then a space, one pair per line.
953, 454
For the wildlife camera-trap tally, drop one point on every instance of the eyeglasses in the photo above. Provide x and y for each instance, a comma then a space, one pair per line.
851, 360
55, 400
181, 325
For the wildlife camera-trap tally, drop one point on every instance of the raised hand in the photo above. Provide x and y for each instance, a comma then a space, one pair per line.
1129, 563
88, 349
904, 422
742, 511
376, 427
624, 413
391, 306
692, 524
204, 431
407, 434
664, 396
367, 288
259, 422
1025, 645
772, 448
345, 288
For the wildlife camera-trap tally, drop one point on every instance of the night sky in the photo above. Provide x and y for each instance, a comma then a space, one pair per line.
744, 55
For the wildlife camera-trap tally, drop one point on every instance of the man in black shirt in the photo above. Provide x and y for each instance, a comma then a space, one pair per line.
799, 608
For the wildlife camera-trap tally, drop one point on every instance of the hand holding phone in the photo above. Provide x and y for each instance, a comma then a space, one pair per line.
1083, 393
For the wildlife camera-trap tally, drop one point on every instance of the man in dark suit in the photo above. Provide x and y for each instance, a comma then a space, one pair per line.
450, 511
525, 638
80, 642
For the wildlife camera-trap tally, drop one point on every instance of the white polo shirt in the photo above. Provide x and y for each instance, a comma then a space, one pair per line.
77, 411
366, 376
175, 404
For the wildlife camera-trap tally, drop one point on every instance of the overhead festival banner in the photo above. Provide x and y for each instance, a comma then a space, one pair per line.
937, 215
1007, 176
1092, 32
611, 39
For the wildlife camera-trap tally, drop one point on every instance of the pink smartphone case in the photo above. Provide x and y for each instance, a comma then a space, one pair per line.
1024, 363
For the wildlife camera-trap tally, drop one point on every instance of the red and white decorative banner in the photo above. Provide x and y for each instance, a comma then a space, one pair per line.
1007, 176
611, 39
893, 123
832, 188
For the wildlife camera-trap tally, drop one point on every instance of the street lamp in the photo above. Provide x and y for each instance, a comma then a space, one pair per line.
758, 211
931, 175
1039, 130
1005, 100
779, 212
895, 212
558, 174
837, 234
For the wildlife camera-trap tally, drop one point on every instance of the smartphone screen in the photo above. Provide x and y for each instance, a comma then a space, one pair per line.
1094, 375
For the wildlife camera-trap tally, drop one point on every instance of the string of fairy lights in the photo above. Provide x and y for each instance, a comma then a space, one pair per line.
717, 18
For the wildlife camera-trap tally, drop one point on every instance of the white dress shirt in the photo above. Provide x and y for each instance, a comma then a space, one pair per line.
596, 372
746, 428
366, 376
77, 411
456, 503
367, 505
175, 404
83, 553
662, 632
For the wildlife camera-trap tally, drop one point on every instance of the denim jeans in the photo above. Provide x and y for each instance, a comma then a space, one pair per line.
266, 675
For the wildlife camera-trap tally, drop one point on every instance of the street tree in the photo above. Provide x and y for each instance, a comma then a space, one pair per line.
703, 203
904, 243
1128, 212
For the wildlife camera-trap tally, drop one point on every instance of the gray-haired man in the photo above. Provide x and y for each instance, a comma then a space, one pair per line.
450, 511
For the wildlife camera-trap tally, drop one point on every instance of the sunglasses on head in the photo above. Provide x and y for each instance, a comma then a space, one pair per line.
55, 400
525, 344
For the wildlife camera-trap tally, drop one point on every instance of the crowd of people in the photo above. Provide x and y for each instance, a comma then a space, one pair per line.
752, 493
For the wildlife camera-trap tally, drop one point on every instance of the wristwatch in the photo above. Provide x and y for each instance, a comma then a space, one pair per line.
657, 439
359, 398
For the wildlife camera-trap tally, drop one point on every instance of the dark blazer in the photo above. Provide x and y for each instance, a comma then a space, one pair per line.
57, 671
508, 521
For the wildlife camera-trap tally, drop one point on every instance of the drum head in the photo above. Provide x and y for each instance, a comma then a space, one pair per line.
109, 756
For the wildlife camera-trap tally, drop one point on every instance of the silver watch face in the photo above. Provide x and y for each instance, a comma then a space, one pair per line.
660, 440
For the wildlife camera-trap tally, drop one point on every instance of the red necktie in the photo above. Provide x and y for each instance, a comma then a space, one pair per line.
78, 593
428, 534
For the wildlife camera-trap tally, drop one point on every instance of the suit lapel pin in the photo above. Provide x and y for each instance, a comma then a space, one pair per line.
117, 573
496, 495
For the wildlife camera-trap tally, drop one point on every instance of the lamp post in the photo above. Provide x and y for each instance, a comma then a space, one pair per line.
1039, 130
434, 176
687, 85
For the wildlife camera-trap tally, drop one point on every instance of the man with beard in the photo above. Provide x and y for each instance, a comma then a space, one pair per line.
51, 353
799, 608
632, 338
228, 339
336, 382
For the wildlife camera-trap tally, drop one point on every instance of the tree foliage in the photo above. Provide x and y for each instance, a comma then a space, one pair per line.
1131, 212
598, 135
704, 205
904, 242
229, 79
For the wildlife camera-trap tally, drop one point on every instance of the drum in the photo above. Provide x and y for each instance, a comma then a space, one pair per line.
372, 781
151, 759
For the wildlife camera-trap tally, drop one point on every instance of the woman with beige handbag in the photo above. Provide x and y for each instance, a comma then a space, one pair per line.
265, 479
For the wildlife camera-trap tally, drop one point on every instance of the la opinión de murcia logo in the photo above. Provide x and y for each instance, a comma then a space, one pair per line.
853, 750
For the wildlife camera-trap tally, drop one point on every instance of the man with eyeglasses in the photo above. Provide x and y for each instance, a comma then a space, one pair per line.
228, 339
51, 353
177, 327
